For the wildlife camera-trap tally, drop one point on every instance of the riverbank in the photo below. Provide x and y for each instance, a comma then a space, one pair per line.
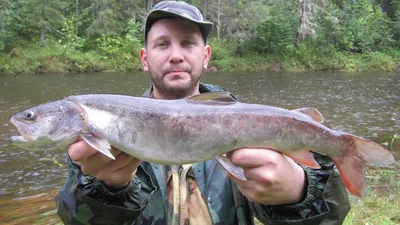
56, 58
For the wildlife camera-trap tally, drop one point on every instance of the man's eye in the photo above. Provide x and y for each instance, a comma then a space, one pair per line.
161, 44
188, 43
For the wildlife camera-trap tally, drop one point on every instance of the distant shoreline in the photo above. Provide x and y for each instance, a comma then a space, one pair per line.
33, 63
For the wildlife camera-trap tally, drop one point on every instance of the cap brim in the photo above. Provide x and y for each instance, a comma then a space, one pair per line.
205, 27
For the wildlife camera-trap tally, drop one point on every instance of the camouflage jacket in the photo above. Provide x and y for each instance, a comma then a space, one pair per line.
85, 200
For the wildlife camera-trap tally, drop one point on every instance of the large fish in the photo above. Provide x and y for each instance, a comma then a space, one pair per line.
195, 129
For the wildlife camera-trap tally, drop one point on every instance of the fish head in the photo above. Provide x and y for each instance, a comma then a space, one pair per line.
46, 127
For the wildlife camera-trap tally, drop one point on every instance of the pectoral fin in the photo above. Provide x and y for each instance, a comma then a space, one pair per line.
232, 169
304, 157
99, 144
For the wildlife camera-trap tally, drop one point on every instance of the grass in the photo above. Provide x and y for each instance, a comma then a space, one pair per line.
381, 205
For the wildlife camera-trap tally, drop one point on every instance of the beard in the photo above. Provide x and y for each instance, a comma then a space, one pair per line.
174, 91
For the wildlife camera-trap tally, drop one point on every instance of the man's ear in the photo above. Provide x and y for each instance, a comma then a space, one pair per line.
207, 56
143, 59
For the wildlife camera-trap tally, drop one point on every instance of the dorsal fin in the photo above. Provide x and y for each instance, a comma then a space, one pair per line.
313, 113
215, 96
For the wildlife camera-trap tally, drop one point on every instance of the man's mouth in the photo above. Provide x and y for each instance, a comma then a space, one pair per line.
175, 73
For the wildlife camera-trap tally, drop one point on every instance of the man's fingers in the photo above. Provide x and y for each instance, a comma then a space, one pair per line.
123, 175
115, 152
121, 161
238, 181
114, 173
130, 168
248, 184
81, 151
262, 174
249, 157
94, 164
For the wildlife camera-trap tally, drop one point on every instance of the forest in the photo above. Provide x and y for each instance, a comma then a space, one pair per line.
70, 36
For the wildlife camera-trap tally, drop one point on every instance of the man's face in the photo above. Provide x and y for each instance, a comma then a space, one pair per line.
175, 56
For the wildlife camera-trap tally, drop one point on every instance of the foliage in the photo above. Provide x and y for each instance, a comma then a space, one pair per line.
293, 35
56, 59
276, 34
359, 27
221, 48
396, 26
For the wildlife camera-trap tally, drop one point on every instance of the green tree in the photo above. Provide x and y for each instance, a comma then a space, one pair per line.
278, 32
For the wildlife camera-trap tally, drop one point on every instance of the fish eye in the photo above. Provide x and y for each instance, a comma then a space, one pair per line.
30, 115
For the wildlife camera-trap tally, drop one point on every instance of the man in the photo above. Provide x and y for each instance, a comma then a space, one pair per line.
128, 191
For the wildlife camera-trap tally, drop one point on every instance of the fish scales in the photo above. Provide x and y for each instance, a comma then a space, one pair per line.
158, 132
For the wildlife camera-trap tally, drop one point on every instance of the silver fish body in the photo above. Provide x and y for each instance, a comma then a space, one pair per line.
184, 131
190, 130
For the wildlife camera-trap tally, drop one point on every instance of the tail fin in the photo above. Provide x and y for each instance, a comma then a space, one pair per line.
351, 164
370, 152
353, 176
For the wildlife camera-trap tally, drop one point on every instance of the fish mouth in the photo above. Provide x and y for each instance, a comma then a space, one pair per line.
17, 139
23, 129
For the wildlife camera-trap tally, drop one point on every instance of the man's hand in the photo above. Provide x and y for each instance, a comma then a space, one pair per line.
115, 174
272, 178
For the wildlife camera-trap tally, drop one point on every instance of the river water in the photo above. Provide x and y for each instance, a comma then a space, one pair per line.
365, 104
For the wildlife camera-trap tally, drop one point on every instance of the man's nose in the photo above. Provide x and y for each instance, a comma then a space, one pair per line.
176, 54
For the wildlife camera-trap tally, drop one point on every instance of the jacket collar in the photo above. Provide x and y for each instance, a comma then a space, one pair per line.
203, 88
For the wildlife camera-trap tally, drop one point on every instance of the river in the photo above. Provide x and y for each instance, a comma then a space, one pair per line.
365, 104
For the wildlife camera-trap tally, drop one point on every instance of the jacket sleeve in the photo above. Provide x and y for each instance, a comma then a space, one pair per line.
85, 200
325, 202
